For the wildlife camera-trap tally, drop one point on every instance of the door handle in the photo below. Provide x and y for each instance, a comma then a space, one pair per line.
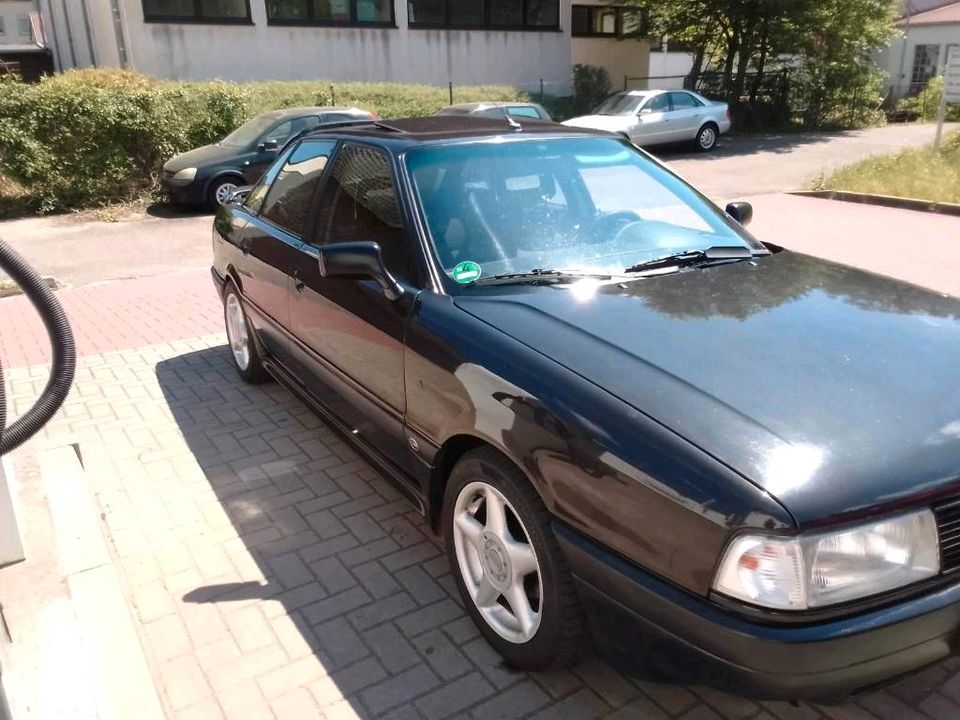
298, 284
245, 245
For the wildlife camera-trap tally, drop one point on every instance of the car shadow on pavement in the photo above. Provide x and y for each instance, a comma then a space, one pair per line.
747, 144
168, 210
354, 589
341, 557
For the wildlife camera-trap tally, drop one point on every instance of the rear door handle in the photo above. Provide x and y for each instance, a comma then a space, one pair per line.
298, 284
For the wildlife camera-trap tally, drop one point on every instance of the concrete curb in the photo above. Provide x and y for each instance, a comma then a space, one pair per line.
883, 200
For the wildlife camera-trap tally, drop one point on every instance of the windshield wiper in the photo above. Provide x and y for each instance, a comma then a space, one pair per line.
699, 258
538, 276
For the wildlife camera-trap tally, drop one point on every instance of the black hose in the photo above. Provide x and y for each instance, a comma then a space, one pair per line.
64, 352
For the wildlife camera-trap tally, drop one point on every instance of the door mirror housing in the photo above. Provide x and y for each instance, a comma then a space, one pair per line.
741, 211
239, 195
267, 146
359, 261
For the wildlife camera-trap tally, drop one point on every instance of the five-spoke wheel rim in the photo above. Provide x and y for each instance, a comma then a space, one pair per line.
707, 138
237, 332
224, 192
497, 562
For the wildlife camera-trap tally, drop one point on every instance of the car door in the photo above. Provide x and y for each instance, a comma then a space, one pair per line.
653, 121
686, 116
270, 143
349, 337
277, 208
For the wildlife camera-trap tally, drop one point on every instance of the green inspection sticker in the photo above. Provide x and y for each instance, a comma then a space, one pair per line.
466, 272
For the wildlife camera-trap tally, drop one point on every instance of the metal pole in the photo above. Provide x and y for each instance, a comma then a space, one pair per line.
541, 89
624, 83
333, 95
941, 114
450, 88
89, 32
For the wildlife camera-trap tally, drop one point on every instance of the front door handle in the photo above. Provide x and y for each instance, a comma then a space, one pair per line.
245, 245
298, 284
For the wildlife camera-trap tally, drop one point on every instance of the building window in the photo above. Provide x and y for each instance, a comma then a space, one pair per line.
485, 14
3, 28
23, 25
199, 11
330, 12
926, 59
609, 21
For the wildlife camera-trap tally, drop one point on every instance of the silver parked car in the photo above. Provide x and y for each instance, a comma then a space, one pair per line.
652, 117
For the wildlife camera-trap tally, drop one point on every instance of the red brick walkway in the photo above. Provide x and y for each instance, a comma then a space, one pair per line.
116, 315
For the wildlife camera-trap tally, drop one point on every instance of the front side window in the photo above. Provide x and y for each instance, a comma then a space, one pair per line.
330, 12
524, 111
214, 11
658, 104
288, 200
480, 14
359, 203
621, 104
586, 204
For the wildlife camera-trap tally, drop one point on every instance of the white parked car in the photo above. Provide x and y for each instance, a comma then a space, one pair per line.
652, 117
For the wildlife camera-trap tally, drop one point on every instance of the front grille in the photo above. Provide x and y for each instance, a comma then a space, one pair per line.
948, 529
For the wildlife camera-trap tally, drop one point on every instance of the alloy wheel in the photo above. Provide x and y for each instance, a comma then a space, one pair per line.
237, 333
708, 138
224, 192
497, 562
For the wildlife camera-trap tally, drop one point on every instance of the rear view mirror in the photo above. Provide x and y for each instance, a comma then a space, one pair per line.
267, 146
741, 211
358, 261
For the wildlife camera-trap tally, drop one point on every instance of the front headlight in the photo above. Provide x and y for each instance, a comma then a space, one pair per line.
186, 175
818, 569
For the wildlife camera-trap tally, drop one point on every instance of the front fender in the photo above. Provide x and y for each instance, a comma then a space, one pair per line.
599, 464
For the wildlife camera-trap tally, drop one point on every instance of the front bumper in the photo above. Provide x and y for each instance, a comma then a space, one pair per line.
193, 193
636, 615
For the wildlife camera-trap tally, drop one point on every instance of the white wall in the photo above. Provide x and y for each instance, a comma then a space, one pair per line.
11, 12
670, 68
897, 60
271, 52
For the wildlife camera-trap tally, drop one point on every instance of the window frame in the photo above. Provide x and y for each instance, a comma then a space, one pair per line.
351, 23
274, 172
621, 10
198, 18
486, 24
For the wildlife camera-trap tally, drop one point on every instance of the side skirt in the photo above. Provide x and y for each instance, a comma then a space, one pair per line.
400, 480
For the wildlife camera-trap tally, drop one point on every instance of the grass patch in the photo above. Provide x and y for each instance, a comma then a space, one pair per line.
920, 173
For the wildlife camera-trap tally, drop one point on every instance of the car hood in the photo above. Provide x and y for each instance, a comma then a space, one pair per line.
611, 123
835, 390
201, 157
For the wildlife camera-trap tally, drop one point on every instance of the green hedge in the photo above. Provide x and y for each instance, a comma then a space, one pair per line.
89, 137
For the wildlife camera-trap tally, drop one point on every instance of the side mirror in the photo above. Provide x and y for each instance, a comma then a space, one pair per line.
644, 111
741, 211
267, 146
239, 195
358, 261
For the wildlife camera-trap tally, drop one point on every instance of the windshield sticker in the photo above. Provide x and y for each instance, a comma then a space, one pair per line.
466, 272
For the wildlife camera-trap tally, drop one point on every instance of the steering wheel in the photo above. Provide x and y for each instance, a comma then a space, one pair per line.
615, 223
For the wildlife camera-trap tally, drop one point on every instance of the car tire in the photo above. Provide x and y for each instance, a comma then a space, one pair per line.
707, 137
510, 559
240, 339
219, 188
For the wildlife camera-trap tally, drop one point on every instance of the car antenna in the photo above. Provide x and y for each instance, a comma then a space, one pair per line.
510, 121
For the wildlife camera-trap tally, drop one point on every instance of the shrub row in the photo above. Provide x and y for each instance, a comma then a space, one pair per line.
88, 137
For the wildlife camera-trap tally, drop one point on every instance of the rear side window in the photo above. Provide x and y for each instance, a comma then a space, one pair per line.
287, 203
684, 101
359, 203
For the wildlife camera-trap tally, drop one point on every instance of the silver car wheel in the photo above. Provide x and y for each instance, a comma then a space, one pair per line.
708, 138
237, 333
499, 569
224, 192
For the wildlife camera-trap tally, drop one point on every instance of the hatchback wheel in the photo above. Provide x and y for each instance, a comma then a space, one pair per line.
220, 191
507, 564
243, 348
707, 137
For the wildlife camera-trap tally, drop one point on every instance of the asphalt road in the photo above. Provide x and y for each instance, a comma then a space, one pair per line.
78, 249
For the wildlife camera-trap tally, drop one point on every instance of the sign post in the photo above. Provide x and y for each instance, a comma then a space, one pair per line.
951, 90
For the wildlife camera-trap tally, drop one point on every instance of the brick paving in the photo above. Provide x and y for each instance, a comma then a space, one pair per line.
273, 574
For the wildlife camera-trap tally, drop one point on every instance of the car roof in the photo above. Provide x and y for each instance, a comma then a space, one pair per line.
441, 128
300, 111
468, 107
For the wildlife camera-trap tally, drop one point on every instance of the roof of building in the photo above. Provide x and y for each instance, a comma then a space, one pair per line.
452, 127
943, 15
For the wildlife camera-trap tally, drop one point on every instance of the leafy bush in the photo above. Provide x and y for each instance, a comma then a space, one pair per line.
925, 104
88, 137
591, 86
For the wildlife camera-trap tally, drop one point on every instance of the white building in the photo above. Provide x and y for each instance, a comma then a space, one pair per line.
513, 42
919, 53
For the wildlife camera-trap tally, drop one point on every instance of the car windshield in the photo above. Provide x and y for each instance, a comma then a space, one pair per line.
620, 104
249, 132
593, 205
